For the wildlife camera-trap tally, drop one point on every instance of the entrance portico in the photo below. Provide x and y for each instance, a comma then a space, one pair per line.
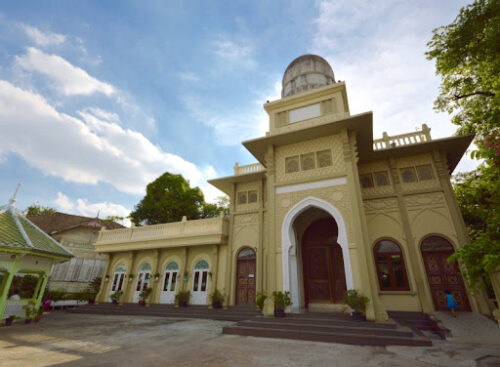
291, 251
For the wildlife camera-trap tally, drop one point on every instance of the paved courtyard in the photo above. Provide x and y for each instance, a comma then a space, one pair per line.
64, 339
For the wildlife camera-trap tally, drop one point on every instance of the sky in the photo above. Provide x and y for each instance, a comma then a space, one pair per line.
99, 98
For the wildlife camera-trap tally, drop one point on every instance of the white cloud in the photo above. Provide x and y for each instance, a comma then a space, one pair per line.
43, 39
83, 207
87, 150
68, 79
231, 128
64, 203
378, 49
233, 54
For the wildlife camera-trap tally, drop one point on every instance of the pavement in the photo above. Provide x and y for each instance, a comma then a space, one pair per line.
470, 327
65, 339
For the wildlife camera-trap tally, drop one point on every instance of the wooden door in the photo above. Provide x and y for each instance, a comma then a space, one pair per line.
245, 277
323, 263
442, 275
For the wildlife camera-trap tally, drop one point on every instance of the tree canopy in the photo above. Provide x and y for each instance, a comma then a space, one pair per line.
169, 198
467, 59
466, 53
36, 209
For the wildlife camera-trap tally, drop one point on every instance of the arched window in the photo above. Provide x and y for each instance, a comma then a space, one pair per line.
390, 265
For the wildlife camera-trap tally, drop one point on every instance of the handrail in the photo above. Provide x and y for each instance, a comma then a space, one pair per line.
249, 168
162, 231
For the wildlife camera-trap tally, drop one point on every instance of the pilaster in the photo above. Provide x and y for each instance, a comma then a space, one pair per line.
424, 296
374, 309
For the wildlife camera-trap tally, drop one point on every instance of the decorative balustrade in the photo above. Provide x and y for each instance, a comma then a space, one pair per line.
417, 137
249, 168
163, 231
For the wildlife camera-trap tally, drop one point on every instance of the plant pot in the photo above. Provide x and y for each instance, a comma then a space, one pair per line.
8, 322
38, 318
142, 303
27, 321
183, 304
279, 313
217, 304
91, 301
115, 302
358, 316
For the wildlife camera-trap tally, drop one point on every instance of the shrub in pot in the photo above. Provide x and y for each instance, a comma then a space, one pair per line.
217, 298
260, 299
281, 300
115, 297
9, 320
357, 302
143, 296
182, 298
29, 311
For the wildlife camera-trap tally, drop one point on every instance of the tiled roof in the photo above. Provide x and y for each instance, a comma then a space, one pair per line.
18, 232
60, 222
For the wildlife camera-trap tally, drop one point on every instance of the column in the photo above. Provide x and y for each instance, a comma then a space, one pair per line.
44, 279
6, 286
101, 294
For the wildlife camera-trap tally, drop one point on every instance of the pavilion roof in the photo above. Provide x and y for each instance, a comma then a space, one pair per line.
18, 232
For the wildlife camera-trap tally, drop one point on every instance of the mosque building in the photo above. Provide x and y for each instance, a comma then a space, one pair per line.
326, 208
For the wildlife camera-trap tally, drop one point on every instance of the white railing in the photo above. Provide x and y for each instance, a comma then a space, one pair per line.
249, 168
15, 307
164, 231
417, 137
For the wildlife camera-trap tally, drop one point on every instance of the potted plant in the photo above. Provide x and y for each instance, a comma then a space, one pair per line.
217, 298
182, 298
145, 293
358, 304
115, 297
39, 314
29, 311
260, 299
281, 300
9, 320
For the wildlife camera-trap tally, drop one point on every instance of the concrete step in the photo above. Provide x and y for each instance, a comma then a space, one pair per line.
326, 321
329, 337
363, 328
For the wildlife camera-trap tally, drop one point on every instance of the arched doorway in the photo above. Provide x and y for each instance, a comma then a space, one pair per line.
118, 279
322, 263
200, 283
143, 277
245, 277
442, 275
169, 283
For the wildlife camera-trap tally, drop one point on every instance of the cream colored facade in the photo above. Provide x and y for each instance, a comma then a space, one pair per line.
311, 165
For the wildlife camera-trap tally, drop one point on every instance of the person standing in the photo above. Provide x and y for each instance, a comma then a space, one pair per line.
450, 303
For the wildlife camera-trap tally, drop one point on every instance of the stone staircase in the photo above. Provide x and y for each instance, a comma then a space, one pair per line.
419, 322
234, 313
328, 327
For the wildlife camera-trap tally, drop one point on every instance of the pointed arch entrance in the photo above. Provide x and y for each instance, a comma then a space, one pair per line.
294, 226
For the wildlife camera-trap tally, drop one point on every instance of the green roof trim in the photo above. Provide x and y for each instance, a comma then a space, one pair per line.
18, 232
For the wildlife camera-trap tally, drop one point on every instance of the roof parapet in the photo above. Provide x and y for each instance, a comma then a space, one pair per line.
417, 137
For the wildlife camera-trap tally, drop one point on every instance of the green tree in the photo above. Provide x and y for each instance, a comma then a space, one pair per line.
466, 53
36, 209
168, 199
210, 210
467, 59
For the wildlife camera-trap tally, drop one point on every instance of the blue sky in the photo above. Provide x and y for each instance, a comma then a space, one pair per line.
98, 98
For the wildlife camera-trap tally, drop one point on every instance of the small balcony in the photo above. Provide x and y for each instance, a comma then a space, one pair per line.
249, 168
